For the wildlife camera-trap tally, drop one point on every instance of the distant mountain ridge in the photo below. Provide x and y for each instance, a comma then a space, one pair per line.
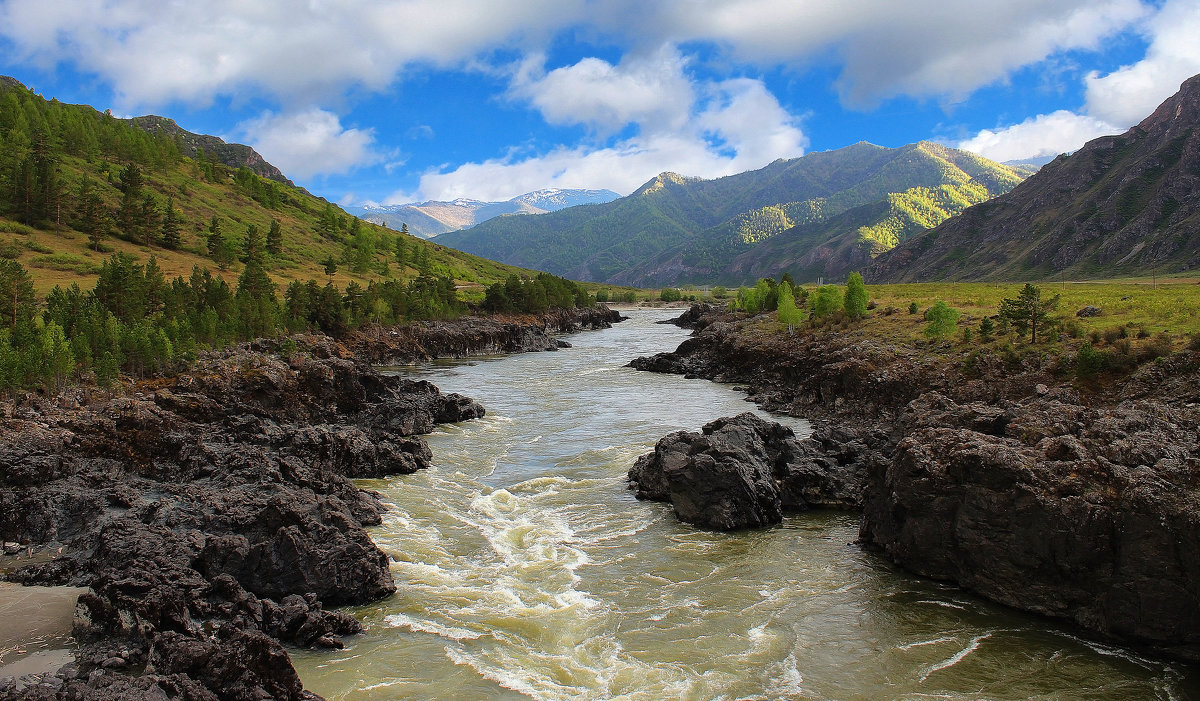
1121, 205
823, 214
432, 218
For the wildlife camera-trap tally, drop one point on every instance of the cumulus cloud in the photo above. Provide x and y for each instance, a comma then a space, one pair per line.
606, 97
310, 142
1114, 102
154, 52
1128, 95
1043, 135
886, 48
732, 126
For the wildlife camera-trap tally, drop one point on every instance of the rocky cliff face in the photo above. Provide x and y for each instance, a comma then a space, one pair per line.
1090, 514
1120, 205
233, 155
999, 478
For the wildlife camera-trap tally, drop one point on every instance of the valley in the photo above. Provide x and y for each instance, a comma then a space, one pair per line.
286, 447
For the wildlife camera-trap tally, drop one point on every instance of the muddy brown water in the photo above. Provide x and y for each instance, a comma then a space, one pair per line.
527, 570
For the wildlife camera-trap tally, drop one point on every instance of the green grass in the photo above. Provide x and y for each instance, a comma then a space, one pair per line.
68, 262
1138, 310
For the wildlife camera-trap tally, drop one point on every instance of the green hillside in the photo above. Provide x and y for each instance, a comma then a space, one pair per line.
129, 245
1121, 205
64, 206
677, 230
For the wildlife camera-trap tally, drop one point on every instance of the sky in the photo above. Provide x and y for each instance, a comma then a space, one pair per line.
393, 101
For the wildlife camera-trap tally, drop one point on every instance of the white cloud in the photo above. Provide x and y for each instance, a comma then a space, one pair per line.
1045, 135
737, 125
1114, 102
310, 142
887, 48
1128, 95
154, 52
594, 92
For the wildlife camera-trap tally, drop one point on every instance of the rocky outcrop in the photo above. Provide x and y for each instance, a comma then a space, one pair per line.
997, 475
475, 336
742, 472
697, 316
1052, 507
211, 514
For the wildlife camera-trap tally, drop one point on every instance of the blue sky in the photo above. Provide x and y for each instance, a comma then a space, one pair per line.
391, 101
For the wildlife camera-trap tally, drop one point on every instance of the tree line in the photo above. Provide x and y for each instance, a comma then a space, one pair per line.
136, 321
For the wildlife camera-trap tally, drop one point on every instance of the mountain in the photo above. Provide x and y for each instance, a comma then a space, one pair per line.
824, 213
432, 218
1028, 166
65, 178
1121, 205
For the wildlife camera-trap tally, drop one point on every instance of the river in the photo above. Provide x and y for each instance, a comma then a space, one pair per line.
528, 570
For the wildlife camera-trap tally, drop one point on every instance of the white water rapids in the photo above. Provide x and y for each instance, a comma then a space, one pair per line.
526, 569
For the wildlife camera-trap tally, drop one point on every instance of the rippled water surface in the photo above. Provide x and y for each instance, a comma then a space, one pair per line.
527, 570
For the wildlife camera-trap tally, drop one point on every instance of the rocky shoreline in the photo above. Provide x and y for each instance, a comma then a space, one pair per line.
996, 476
211, 513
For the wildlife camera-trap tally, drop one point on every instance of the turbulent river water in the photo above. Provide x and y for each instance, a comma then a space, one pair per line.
527, 570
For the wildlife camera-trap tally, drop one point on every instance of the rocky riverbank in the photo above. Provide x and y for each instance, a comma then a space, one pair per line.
210, 513
476, 336
996, 474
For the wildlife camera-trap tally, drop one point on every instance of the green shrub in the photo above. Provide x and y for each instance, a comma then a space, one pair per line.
1089, 361
65, 261
825, 301
942, 318
856, 297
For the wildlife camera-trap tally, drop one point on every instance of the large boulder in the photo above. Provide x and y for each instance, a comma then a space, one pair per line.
744, 472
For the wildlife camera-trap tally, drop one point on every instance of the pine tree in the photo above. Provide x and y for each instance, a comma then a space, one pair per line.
253, 247
16, 295
170, 226
1028, 311
275, 238
214, 237
129, 215
148, 220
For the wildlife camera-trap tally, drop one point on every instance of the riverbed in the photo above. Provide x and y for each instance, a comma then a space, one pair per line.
527, 570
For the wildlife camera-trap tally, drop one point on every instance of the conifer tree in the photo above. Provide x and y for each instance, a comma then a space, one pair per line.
16, 295
253, 247
214, 237
170, 226
1027, 311
275, 238
148, 220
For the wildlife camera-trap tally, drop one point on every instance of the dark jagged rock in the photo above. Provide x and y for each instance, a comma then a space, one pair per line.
696, 317
211, 516
1087, 514
741, 472
997, 476
476, 336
